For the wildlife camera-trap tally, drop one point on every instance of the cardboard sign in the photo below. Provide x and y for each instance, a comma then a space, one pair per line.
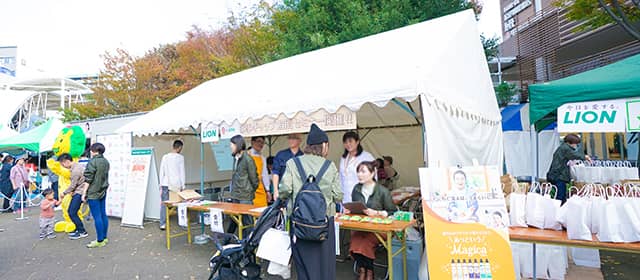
467, 234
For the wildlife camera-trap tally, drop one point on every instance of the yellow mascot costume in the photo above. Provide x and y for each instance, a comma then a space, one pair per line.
71, 140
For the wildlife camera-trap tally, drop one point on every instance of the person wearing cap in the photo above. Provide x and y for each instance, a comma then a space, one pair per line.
244, 180
280, 161
5, 182
20, 182
313, 259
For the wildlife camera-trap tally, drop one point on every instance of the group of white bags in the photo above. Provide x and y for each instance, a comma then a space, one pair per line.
611, 213
552, 262
537, 207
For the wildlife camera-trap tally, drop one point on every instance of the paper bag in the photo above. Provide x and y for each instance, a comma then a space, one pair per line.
535, 210
182, 215
578, 223
517, 214
278, 269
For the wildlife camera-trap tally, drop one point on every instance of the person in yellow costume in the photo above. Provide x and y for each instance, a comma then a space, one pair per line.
70, 140
262, 196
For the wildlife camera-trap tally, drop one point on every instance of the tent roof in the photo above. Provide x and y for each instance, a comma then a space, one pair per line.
614, 81
39, 139
428, 58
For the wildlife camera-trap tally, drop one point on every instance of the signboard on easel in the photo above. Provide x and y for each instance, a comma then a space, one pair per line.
467, 236
141, 181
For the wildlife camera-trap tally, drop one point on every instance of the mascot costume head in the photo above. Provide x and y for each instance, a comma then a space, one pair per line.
70, 140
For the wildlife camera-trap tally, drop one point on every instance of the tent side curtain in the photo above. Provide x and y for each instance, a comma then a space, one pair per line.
613, 81
350, 75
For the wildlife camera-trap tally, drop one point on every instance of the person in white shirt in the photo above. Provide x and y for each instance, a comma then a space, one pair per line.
353, 155
172, 177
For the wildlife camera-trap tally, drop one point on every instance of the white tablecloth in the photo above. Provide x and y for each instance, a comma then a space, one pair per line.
603, 175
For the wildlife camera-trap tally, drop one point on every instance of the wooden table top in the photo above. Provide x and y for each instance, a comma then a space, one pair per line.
560, 238
227, 208
367, 226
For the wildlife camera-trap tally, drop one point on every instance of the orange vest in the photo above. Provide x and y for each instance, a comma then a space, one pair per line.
260, 199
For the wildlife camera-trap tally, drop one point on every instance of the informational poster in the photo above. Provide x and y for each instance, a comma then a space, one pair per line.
342, 119
118, 152
596, 116
222, 154
137, 186
467, 235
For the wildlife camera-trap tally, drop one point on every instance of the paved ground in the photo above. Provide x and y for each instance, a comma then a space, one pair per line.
141, 254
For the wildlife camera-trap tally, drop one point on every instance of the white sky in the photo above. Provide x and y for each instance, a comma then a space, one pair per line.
67, 37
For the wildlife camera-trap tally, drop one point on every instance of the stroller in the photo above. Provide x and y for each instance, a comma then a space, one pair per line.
236, 259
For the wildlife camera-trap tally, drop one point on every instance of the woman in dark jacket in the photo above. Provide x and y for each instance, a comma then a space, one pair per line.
5, 182
244, 180
559, 173
379, 204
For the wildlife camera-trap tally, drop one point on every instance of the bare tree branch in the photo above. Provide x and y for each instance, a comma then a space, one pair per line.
620, 19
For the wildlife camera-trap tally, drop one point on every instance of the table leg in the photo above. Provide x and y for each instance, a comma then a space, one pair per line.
404, 254
168, 229
389, 255
534, 262
188, 228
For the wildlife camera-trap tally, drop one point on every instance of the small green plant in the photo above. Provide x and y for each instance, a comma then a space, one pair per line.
505, 93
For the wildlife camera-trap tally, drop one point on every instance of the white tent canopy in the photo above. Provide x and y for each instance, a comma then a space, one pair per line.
442, 61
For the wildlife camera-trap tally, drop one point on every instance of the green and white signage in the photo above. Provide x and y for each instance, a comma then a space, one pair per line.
597, 116
210, 133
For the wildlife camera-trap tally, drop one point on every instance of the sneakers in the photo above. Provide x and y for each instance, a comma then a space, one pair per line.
163, 227
96, 244
77, 235
51, 236
105, 241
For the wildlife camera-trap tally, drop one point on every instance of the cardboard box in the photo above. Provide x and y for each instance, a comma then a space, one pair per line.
183, 195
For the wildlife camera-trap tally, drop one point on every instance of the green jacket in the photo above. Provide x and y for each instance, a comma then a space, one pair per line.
559, 169
329, 183
380, 199
244, 180
97, 175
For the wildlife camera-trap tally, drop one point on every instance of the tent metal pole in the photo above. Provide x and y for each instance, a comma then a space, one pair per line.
534, 141
425, 150
201, 174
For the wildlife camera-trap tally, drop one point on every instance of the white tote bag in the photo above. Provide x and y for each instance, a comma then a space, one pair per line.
559, 263
586, 257
517, 215
535, 208
597, 206
629, 220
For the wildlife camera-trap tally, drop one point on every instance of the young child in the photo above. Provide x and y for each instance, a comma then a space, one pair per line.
46, 215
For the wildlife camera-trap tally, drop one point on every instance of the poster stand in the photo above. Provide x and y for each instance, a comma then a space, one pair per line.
142, 177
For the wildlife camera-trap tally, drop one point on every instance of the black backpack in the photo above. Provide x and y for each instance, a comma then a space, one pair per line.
309, 219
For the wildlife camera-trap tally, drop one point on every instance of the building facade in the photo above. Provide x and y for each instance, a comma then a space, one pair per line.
547, 46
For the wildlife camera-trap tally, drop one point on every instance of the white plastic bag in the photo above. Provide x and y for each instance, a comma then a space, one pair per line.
517, 215
559, 263
275, 246
586, 257
535, 208
283, 271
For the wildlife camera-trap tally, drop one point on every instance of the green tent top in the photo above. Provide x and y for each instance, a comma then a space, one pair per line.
39, 139
613, 81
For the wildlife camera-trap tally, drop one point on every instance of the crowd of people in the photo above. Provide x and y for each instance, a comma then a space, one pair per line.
257, 180
89, 183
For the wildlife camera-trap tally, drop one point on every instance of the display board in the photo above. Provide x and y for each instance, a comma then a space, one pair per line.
142, 178
118, 152
467, 236
596, 116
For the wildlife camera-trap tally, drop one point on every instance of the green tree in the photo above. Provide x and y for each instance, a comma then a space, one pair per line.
505, 93
306, 25
597, 13
490, 45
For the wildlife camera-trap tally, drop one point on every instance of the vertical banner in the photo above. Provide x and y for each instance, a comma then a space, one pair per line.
136, 187
467, 232
118, 152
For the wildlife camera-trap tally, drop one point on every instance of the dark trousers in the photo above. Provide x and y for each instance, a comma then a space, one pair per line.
54, 186
6, 205
246, 220
99, 212
74, 206
316, 260
562, 190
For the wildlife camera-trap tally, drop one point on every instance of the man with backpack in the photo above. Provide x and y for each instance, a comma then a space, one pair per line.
312, 185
